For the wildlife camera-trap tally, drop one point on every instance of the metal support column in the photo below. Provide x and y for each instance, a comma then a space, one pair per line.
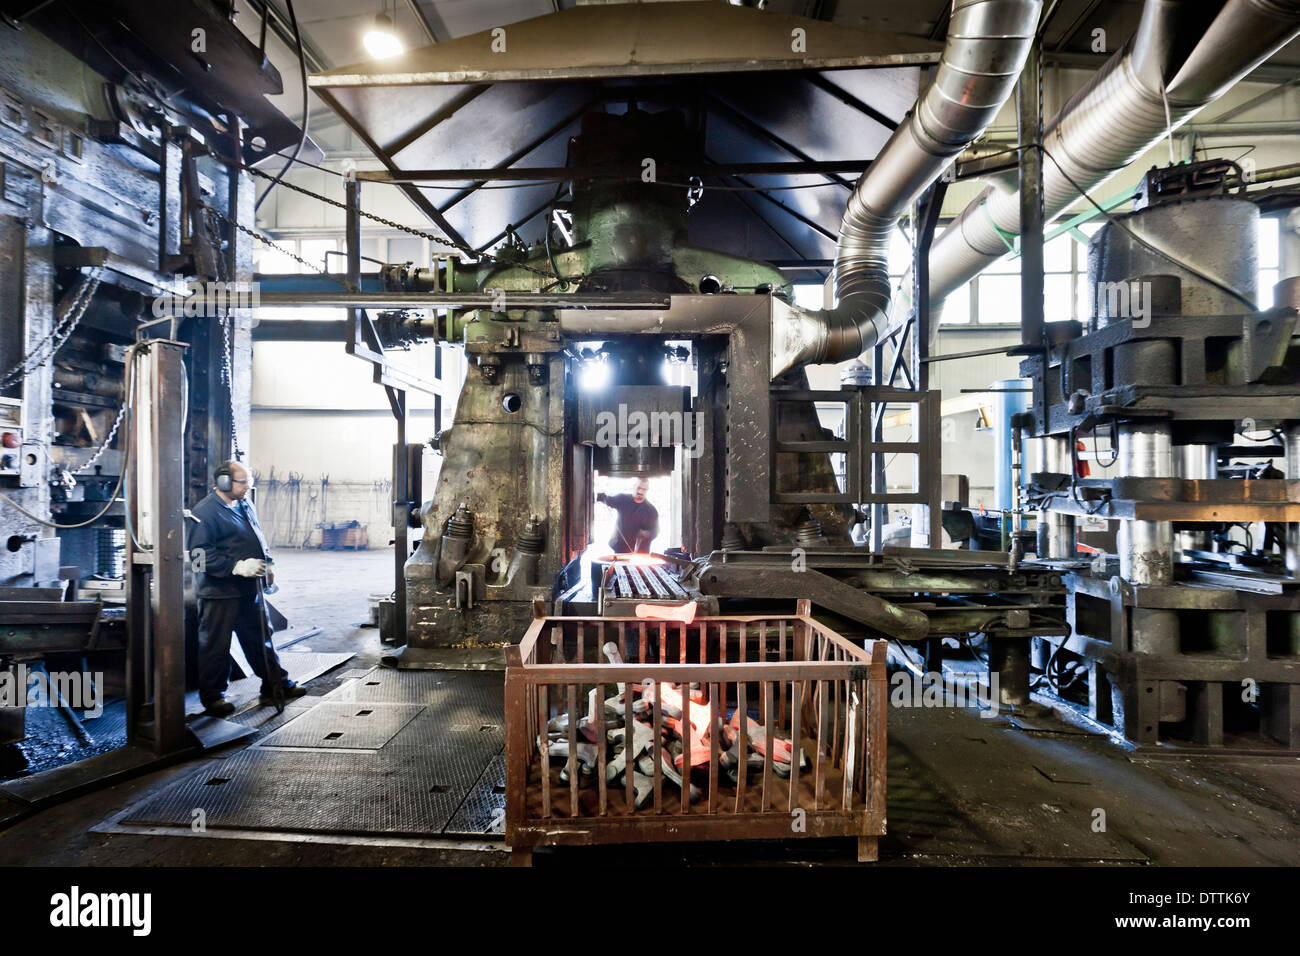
1029, 114
1146, 548
879, 510
1197, 463
1010, 658
156, 581
1056, 530
928, 209
361, 334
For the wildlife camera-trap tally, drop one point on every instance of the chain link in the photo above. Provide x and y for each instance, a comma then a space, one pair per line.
227, 340
253, 233
60, 331
112, 433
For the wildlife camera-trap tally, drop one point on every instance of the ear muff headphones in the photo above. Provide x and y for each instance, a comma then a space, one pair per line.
222, 477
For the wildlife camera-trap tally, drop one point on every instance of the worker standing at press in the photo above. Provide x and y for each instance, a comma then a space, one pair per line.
638, 520
230, 557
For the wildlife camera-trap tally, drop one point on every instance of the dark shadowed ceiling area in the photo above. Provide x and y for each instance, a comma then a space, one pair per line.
452, 102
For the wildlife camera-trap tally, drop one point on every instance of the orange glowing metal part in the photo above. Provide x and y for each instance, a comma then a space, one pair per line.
685, 613
756, 735
633, 557
697, 718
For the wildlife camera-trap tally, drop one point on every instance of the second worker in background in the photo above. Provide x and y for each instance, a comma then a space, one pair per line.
638, 520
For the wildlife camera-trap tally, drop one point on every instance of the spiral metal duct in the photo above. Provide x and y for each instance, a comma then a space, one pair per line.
1187, 54
986, 47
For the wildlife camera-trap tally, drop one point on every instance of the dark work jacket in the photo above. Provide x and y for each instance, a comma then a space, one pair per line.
220, 540
634, 519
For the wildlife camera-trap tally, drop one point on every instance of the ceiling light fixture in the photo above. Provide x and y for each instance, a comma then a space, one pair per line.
381, 40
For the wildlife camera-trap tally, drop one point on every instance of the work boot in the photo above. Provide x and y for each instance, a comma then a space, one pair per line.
290, 691
219, 708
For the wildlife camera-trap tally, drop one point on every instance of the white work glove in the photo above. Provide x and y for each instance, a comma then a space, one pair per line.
249, 568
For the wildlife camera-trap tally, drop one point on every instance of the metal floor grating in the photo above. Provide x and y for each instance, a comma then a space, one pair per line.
352, 793
266, 719
384, 686
485, 805
433, 766
347, 725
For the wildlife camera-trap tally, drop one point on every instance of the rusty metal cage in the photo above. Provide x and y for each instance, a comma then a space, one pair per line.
802, 688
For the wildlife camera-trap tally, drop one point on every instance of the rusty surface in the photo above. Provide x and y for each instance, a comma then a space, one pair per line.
818, 701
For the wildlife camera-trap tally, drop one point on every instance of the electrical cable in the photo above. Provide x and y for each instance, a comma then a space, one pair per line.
131, 460
1074, 475
112, 500
306, 110
562, 282
144, 87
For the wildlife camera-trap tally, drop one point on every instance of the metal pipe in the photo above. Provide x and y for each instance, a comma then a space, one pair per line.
1196, 463
1017, 478
1056, 531
1029, 120
1146, 548
1115, 118
986, 47
1010, 397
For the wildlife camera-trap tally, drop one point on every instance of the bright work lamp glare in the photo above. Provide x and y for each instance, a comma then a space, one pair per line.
594, 376
380, 41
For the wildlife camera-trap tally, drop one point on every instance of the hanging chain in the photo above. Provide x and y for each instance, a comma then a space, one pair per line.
266, 241
62, 329
59, 333
227, 338
112, 433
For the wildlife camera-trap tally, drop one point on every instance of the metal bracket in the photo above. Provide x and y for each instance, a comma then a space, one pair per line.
465, 602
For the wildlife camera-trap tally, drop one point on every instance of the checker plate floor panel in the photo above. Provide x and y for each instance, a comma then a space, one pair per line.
434, 765
484, 808
347, 725
383, 686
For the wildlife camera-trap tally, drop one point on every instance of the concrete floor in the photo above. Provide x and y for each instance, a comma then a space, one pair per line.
962, 789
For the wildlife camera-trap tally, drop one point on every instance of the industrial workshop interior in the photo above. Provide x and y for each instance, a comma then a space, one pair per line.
579, 434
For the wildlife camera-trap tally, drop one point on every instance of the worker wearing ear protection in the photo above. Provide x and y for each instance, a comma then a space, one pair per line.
230, 557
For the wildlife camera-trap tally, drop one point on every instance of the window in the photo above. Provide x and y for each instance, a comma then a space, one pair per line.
326, 254
997, 298
268, 261
313, 250
956, 308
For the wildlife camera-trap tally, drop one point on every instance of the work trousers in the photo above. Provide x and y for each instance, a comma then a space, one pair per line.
245, 616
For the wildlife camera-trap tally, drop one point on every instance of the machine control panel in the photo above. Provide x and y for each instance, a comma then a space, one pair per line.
11, 437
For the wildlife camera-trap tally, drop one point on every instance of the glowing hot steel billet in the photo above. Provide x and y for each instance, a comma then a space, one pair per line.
685, 613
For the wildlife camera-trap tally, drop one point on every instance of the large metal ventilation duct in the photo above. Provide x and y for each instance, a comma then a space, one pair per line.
986, 47
1184, 53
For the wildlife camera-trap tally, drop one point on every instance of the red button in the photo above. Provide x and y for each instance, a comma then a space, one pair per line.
10, 440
